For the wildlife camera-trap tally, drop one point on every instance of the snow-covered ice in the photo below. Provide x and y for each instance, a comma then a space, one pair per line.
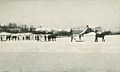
61, 56
64, 45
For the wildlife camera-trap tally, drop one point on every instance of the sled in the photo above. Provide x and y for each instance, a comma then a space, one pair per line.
78, 40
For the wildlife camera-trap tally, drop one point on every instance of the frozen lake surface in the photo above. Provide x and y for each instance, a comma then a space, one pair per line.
64, 45
61, 56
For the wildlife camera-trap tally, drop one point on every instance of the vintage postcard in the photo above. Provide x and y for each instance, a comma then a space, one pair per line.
59, 35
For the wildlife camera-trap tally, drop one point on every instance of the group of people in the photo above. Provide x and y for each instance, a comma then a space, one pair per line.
38, 38
11, 37
52, 37
45, 37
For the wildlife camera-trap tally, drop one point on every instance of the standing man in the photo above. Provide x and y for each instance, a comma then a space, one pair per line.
38, 38
45, 37
23, 38
79, 36
1, 38
18, 37
72, 38
71, 33
86, 30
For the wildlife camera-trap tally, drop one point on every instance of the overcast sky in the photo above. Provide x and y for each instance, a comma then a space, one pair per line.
61, 14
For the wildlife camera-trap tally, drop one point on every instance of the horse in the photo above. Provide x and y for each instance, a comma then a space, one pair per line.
98, 34
52, 37
101, 35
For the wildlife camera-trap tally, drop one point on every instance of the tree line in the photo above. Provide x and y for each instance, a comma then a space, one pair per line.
15, 28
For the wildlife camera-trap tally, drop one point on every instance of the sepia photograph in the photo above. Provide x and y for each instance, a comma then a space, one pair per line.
59, 35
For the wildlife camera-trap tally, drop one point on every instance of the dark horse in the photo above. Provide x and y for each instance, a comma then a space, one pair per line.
52, 37
101, 35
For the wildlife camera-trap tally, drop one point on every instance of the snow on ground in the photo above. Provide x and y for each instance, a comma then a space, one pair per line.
61, 56
64, 45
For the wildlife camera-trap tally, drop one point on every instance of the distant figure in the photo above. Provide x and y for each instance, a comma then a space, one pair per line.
86, 30
45, 37
80, 36
18, 38
8, 37
38, 38
83, 32
71, 33
35, 37
14, 37
23, 38
1, 38
27, 37
72, 38
87, 26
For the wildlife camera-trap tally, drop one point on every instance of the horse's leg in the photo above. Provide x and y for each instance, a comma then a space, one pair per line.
103, 39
